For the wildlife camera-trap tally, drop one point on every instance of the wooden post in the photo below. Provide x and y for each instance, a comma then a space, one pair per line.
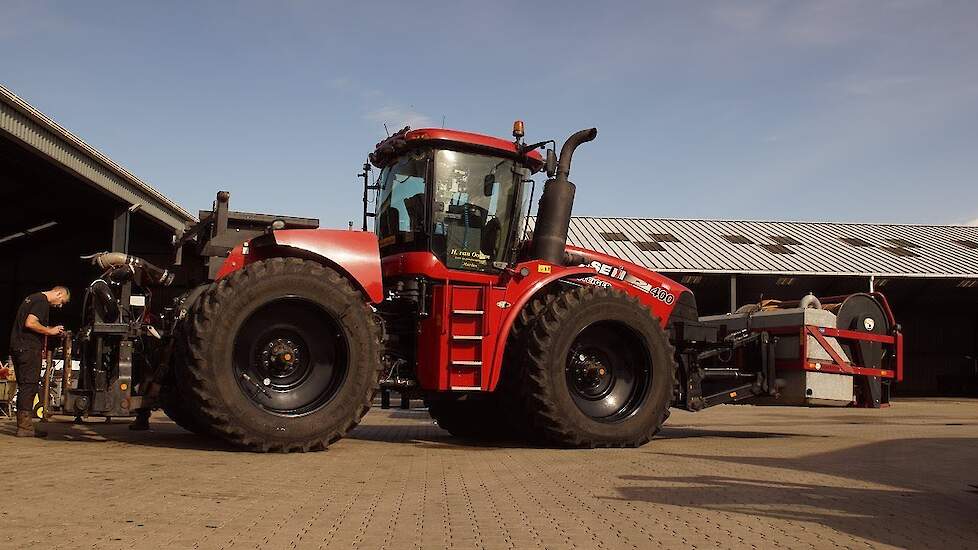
66, 371
46, 397
733, 294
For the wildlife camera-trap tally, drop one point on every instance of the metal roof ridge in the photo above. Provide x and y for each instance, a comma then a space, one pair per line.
32, 112
800, 222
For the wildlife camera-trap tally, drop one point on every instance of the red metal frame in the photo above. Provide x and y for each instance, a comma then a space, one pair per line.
839, 364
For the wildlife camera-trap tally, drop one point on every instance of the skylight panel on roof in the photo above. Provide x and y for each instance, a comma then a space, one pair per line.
646, 246
663, 237
738, 239
897, 251
777, 248
613, 236
903, 243
855, 241
783, 239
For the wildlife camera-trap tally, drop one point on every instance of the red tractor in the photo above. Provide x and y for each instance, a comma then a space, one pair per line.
502, 332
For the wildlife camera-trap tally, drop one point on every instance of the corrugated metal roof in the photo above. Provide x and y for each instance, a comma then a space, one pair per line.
30, 127
705, 246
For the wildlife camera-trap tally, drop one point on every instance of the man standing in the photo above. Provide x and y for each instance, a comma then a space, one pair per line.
26, 344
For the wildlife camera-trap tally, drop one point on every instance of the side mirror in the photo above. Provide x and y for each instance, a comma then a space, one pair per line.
551, 163
488, 184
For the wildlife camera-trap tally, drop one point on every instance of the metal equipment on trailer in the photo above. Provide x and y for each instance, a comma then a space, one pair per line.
283, 332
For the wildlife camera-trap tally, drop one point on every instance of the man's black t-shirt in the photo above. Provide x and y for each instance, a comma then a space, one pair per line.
23, 338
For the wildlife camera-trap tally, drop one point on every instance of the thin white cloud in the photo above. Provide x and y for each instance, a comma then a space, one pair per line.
393, 113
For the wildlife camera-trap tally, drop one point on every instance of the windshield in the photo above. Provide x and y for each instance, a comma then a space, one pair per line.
400, 210
474, 208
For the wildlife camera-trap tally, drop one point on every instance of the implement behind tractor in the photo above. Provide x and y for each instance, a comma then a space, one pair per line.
282, 332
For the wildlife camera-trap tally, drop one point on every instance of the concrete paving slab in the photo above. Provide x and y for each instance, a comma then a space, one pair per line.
728, 477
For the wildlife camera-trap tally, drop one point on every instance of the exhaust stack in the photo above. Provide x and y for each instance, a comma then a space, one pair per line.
556, 202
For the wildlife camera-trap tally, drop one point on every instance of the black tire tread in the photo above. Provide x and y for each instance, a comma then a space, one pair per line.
549, 421
202, 326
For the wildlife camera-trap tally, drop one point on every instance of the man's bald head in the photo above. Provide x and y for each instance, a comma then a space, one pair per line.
58, 296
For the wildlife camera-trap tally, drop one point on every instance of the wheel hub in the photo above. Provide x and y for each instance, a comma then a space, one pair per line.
591, 374
290, 356
607, 372
280, 357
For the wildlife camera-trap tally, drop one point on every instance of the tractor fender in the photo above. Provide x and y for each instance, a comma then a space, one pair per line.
522, 294
659, 293
354, 254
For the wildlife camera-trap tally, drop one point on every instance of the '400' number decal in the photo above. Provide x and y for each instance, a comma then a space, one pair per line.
663, 294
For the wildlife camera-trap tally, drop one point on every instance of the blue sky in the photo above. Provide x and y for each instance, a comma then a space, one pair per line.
831, 110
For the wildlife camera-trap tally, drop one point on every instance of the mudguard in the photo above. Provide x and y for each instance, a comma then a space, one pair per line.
354, 253
659, 293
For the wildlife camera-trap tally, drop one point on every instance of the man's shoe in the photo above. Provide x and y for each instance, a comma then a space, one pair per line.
141, 423
25, 426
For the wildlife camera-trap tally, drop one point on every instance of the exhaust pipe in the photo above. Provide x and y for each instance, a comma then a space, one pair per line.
556, 202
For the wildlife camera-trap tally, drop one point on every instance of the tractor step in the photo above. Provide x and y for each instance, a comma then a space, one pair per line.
468, 312
466, 337
467, 363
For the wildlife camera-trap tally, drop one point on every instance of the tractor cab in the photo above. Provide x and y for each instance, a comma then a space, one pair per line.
463, 197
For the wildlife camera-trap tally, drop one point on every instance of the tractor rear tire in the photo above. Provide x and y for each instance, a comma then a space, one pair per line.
176, 398
598, 370
178, 410
285, 356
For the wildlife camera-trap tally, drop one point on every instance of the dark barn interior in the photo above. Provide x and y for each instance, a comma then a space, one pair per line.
48, 219
61, 199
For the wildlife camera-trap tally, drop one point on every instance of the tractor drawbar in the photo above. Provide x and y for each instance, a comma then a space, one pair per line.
554, 211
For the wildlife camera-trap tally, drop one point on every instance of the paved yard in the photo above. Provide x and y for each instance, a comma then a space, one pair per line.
732, 476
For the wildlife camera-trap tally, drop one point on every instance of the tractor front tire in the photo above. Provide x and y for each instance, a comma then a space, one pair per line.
598, 370
284, 356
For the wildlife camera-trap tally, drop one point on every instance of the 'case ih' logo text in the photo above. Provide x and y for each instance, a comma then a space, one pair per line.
610, 271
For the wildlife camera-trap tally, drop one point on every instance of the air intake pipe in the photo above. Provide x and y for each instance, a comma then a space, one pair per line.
141, 271
554, 210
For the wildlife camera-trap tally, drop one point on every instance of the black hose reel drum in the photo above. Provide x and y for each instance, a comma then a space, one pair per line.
863, 313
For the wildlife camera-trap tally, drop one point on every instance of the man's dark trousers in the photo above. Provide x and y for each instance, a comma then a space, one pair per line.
27, 367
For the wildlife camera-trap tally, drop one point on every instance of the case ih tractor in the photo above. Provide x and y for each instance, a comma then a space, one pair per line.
288, 331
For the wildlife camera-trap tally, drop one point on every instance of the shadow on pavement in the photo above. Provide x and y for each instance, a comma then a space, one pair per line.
162, 433
922, 493
423, 431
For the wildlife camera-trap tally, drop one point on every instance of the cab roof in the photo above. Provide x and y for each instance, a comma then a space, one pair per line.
407, 138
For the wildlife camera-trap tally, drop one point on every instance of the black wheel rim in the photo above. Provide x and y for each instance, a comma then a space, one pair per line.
290, 357
608, 372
